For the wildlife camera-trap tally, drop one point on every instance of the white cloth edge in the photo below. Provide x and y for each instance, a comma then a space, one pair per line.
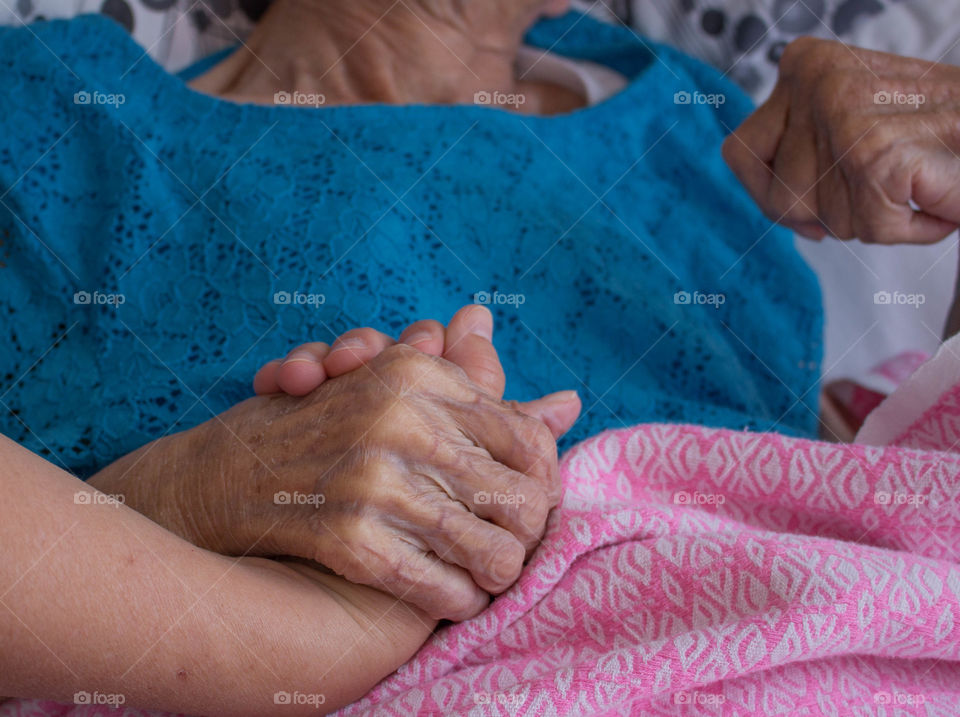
917, 395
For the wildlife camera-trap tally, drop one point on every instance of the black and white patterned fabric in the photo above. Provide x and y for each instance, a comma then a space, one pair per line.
176, 33
746, 37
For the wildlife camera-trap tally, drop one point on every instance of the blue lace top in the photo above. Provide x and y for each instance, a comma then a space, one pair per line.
159, 244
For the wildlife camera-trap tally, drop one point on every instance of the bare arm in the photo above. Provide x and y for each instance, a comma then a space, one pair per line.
97, 599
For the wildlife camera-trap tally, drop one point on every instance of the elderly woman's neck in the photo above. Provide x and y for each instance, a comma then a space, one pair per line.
379, 51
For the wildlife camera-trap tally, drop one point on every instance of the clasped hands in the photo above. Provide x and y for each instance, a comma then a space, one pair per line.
395, 464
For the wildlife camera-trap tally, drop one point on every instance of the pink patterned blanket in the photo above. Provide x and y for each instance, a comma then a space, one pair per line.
697, 572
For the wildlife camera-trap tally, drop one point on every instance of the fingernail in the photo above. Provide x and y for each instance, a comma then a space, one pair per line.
352, 344
300, 355
418, 337
562, 397
480, 323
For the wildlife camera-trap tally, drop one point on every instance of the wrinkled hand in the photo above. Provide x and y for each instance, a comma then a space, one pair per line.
405, 476
848, 139
467, 342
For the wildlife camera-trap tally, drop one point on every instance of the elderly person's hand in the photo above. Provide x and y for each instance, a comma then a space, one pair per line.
466, 342
855, 143
405, 476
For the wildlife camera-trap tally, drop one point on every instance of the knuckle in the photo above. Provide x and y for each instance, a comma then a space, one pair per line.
538, 434
810, 56
797, 52
455, 372
377, 484
833, 91
862, 146
488, 372
504, 561
785, 205
530, 513
400, 364
404, 364
536, 508
544, 456
350, 534
454, 603
395, 570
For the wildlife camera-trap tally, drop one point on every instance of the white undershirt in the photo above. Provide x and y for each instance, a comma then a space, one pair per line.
592, 81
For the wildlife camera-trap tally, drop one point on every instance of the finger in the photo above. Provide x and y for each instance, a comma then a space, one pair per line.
492, 555
792, 198
353, 349
883, 221
520, 442
515, 502
925, 229
885, 203
751, 149
265, 381
936, 187
558, 410
427, 336
833, 195
364, 553
811, 231
469, 345
302, 372
443, 591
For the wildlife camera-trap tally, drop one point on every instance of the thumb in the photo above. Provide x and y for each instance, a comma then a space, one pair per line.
558, 410
936, 190
468, 345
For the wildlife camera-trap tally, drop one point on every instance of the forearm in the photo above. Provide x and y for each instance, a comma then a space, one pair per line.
144, 480
96, 598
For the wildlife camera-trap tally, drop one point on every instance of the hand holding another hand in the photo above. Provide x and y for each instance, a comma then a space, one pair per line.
382, 475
